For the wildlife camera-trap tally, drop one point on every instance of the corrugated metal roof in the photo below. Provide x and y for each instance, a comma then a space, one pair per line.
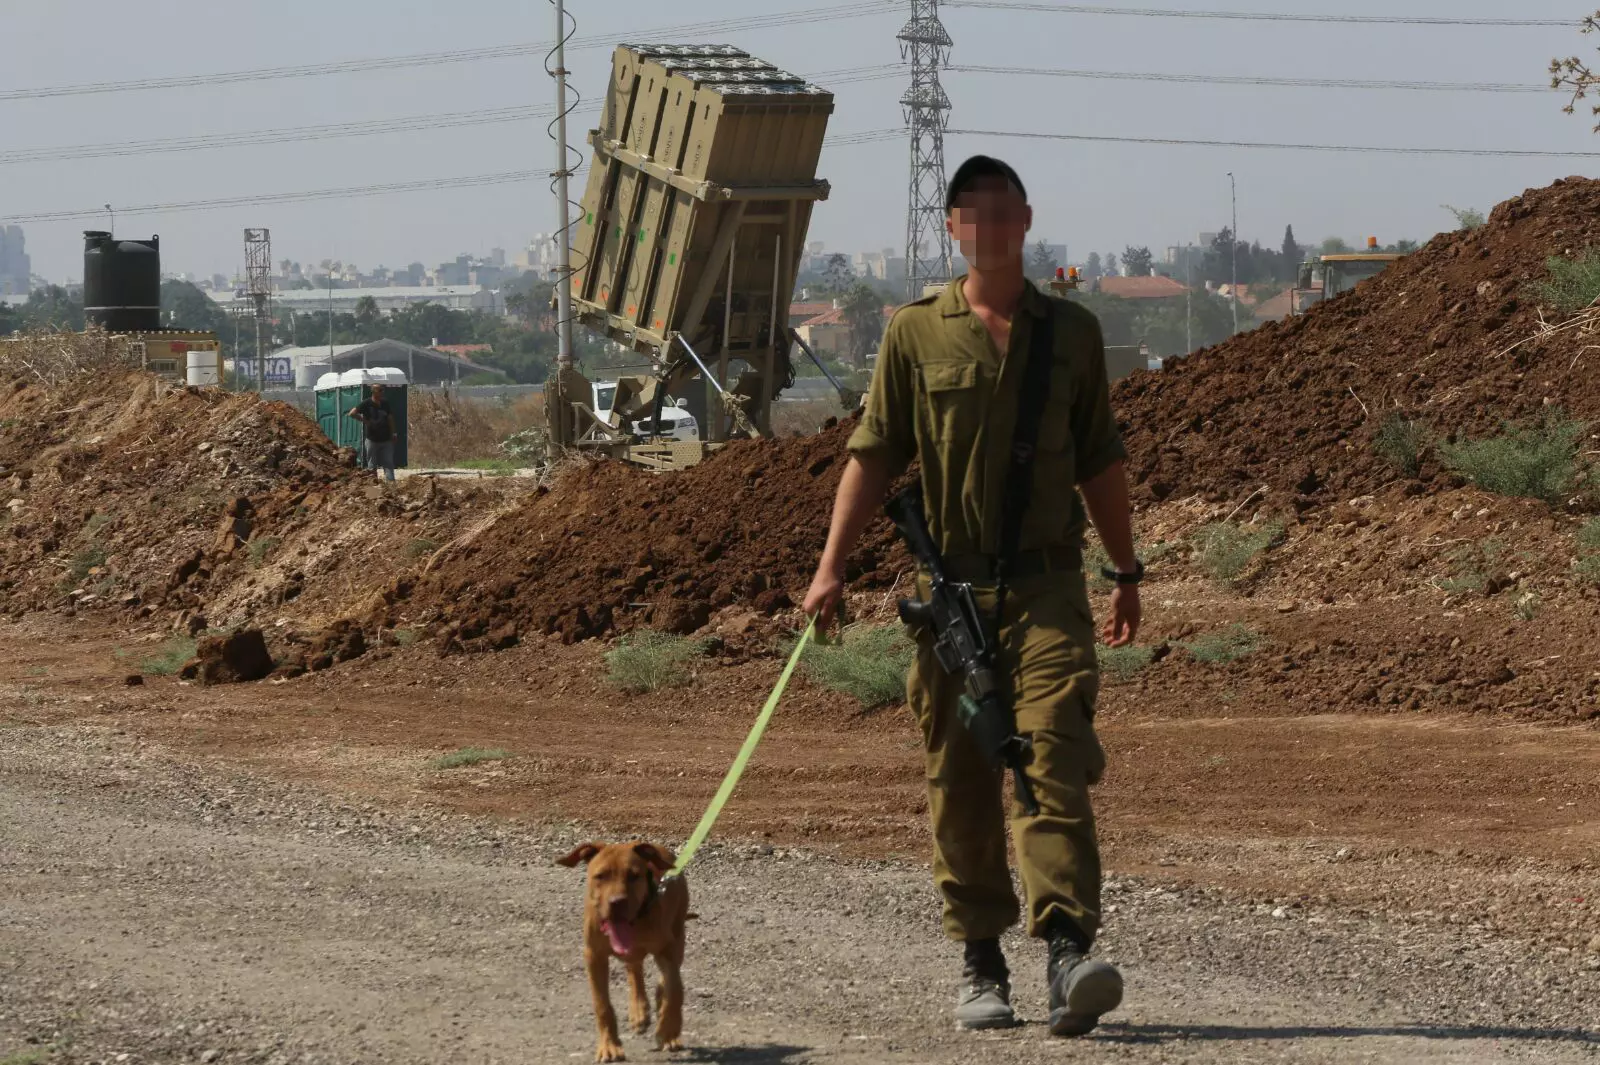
315, 295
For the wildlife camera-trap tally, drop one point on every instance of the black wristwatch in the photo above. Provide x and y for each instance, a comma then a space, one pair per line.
1110, 573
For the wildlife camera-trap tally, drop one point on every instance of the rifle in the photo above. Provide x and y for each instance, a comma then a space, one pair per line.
963, 647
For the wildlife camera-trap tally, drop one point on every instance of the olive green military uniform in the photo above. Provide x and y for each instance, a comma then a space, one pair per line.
943, 394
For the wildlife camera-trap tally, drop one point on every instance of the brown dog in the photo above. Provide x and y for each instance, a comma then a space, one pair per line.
629, 913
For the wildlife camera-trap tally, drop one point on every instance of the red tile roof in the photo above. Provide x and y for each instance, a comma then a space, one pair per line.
1141, 288
460, 351
808, 310
832, 316
1276, 308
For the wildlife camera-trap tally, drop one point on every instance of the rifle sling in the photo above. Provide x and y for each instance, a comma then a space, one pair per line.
1035, 392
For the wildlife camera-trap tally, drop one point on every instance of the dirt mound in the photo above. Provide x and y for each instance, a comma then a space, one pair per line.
118, 491
1296, 405
611, 548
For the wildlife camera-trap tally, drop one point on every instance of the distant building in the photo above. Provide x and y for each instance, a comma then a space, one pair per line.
300, 367
389, 300
1154, 287
16, 269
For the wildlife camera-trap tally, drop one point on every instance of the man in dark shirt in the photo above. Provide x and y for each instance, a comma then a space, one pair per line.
374, 414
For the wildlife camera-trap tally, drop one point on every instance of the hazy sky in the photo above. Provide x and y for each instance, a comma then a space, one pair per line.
1090, 196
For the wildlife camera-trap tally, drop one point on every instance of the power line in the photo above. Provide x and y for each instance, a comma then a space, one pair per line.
353, 192
1483, 152
1262, 16
1227, 79
462, 55
407, 124
504, 177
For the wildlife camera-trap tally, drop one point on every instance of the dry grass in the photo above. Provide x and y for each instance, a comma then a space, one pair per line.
803, 417
446, 430
54, 358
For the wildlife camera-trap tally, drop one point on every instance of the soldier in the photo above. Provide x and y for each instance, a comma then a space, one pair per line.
946, 393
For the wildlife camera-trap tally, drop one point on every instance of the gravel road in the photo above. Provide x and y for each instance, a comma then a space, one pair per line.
153, 909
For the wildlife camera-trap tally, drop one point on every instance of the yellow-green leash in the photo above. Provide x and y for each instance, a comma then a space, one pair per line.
735, 771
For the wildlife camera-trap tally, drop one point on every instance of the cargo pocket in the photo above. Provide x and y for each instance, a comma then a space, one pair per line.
951, 390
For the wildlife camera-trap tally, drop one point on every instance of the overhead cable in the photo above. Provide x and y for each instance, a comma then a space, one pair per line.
1263, 16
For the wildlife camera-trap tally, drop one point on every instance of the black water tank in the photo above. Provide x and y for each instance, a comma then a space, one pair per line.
122, 282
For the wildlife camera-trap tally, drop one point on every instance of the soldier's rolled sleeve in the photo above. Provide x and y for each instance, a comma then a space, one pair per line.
1096, 439
886, 427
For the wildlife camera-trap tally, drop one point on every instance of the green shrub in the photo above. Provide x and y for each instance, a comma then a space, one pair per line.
96, 522
261, 547
1588, 567
1471, 566
1537, 461
1122, 663
419, 547
92, 557
1573, 283
1224, 549
1467, 217
867, 661
647, 661
1399, 443
171, 656
404, 637
469, 756
1232, 643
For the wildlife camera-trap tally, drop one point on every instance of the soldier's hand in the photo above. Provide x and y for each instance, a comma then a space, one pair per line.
824, 597
1122, 625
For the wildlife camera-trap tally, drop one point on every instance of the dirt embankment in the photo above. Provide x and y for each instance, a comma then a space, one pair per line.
610, 548
199, 507
1439, 337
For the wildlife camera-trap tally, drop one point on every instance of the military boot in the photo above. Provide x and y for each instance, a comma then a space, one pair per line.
1080, 990
985, 1000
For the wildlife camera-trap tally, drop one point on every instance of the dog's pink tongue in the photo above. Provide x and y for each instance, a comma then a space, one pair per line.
621, 935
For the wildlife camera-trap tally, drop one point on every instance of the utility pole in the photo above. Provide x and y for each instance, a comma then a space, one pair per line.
564, 216
1188, 299
926, 44
1234, 188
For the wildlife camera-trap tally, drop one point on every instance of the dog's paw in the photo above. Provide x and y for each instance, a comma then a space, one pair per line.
609, 1052
669, 1044
639, 1022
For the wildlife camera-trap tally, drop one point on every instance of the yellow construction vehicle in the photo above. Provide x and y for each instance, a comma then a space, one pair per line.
1326, 276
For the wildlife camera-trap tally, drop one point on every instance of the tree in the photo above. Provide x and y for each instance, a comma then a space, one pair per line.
1043, 260
1291, 249
1335, 246
862, 309
183, 306
1111, 264
10, 320
367, 317
1091, 267
1138, 262
1575, 76
837, 275
51, 308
